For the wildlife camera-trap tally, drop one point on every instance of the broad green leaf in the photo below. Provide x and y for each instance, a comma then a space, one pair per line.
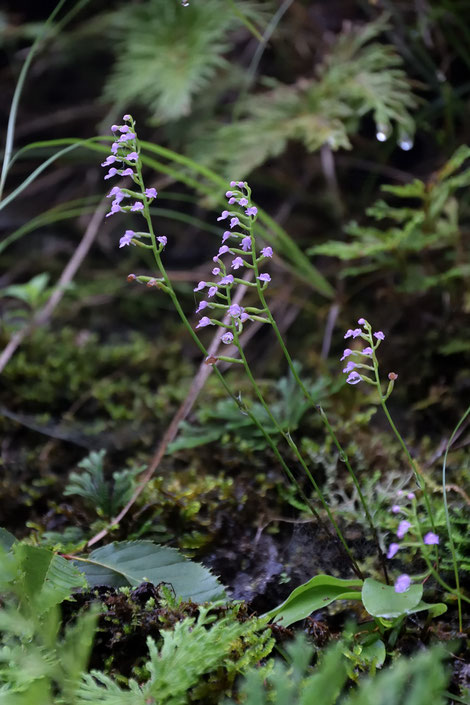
47, 579
6, 539
133, 562
435, 608
318, 592
382, 601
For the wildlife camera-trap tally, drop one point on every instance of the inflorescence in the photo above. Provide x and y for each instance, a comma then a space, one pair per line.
124, 160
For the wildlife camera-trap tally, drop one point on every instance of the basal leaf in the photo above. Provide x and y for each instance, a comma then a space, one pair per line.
133, 562
318, 592
382, 601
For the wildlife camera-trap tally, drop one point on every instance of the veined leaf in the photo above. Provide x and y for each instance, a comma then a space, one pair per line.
132, 562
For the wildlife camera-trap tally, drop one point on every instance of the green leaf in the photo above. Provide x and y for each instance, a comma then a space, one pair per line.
382, 601
6, 539
318, 592
47, 579
133, 562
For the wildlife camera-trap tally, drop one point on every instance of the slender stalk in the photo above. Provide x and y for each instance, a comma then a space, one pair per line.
448, 524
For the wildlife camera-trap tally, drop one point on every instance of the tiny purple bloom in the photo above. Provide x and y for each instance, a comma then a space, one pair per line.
202, 306
226, 280
411, 495
367, 351
114, 147
124, 128
245, 317
132, 157
246, 244
114, 128
353, 333
216, 271
234, 222
212, 291
115, 208
393, 550
235, 310
223, 215
237, 263
241, 184
431, 539
354, 378
396, 509
379, 335
205, 321
232, 200
346, 354
229, 194
126, 238
402, 583
403, 527
243, 201
252, 210
223, 250
126, 117
233, 183
162, 240
267, 251
226, 236
264, 277
151, 192
117, 193
127, 172
109, 160
350, 366
137, 206
111, 172
201, 285
362, 321
227, 338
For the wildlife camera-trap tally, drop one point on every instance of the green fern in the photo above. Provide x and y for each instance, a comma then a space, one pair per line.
166, 54
356, 78
431, 225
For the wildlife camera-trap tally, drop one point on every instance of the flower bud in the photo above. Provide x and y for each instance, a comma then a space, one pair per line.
131, 277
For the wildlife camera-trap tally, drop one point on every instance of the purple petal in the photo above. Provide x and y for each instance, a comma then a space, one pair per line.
402, 583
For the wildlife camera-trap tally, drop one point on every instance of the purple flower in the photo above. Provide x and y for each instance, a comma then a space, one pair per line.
227, 338
111, 172
362, 321
124, 128
349, 367
109, 160
229, 194
393, 550
202, 306
403, 527
132, 157
114, 192
243, 201
226, 236
241, 184
244, 316
127, 137
367, 351
234, 222
151, 192
431, 539
246, 244
212, 291
232, 201
237, 263
396, 509
127, 238
411, 495
346, 354
205, 321
127, 117
264, 278
223, 215
233, 183
115, 208
223, 250
162, 240
267, 251
216, 271
235, 310
402, 583
379, 335
354, 378
137, 206
201, 285
114, 147
252, 210
127, 172
353, 333
114, 128
226, 280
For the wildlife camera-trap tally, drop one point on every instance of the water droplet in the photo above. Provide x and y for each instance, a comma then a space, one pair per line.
406, 143
383, 132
